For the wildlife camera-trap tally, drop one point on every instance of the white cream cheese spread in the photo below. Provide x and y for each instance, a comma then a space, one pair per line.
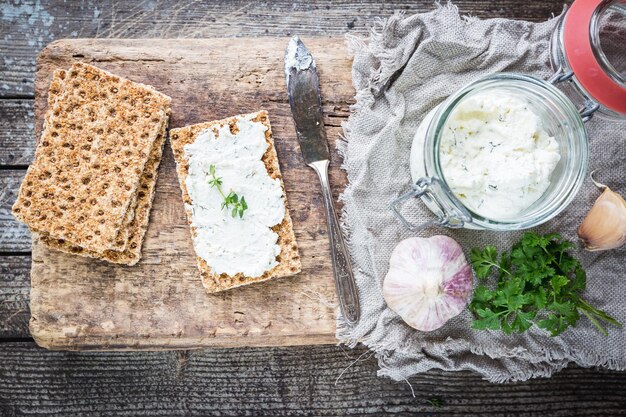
230, 244
495, 155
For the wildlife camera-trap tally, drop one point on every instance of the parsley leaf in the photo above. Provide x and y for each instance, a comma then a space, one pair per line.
537, 282
488, 320
482, 294
484, 260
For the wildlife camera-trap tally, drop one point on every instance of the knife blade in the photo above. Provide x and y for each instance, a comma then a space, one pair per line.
303, 90
303, 86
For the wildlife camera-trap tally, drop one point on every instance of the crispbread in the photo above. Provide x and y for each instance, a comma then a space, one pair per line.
289, 259
56, 89
141, 202
139, 223
97, 138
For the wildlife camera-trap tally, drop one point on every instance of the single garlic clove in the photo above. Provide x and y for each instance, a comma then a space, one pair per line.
604, 227
429, 281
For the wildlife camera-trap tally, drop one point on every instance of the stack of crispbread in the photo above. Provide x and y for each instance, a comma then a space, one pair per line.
289, 258
90, 188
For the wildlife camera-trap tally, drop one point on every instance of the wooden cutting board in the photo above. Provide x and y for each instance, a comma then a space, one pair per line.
80, 303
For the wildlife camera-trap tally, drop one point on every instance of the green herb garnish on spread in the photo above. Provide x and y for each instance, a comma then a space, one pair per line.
232, 201
537, 282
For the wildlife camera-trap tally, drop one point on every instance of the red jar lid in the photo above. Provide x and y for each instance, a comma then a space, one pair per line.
582, 60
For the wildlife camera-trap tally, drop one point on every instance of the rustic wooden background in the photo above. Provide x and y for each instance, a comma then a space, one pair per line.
270, 381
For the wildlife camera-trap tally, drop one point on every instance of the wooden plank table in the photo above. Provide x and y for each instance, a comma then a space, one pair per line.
251, 381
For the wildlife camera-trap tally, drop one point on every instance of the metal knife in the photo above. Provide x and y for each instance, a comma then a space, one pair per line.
303, 87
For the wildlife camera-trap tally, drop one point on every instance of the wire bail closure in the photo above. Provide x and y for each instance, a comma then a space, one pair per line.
590, 106
430, 189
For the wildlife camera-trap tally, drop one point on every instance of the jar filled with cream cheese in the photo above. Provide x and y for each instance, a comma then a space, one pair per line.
510, 151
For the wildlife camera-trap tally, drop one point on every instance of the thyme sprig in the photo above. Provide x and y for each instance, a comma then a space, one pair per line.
237, 205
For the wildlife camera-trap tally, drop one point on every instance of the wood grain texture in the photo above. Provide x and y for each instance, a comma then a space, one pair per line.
14, 296
79, 303
291, 381
29, 26
14, 236
16, 132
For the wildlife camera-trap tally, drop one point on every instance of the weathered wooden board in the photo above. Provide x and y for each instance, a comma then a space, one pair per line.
14, 289
28, 25
294, 381
79, 303
14, 236
16, 118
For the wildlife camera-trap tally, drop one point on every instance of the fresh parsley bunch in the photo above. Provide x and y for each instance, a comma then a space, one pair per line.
538, 282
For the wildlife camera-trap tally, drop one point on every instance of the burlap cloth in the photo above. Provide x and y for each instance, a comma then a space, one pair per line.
437, 53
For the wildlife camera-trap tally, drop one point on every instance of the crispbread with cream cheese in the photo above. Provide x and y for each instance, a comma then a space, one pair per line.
98, 135
289, 259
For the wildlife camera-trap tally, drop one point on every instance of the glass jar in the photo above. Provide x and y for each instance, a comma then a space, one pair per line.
591, 65
562, 115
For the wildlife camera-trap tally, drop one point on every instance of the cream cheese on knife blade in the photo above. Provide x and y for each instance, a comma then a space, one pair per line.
230, 244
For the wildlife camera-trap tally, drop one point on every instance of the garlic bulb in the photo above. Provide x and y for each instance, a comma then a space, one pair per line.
429, 281
604, 227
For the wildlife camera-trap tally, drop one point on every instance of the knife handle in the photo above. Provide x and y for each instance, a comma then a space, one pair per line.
342, 268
